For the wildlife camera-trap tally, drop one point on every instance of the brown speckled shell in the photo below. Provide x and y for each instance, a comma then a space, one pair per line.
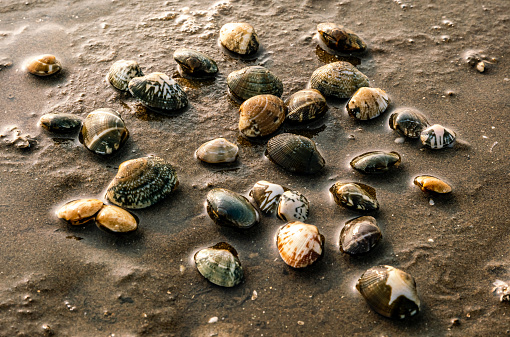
338, 79
368, 103
261, 115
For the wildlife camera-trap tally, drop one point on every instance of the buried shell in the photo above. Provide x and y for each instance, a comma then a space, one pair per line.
239, 37
432, 184
299, 244
367, 103
437, 137
267, 195
122, 72
194, 63
78, 212
158, 91
375, 161
228, 208
359, 235
220, 265
216, 151
261, 115
60, 122
293, 206
338, 79
408, 122
253, 81
389, 291
339, 38
295, 153
305, 106
355, 195
43, 65
103, 131
114, 219
142, 182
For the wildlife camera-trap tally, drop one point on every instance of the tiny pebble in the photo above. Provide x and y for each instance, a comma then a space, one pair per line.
480, 66
400, 140
300, 323
254, 295
431, 202
213, 320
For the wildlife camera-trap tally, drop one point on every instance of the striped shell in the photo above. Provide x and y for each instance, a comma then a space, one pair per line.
437, 137
158, 91
60, 122
355, 195
43, 65
267, 195
338, 79
432, 184
359, 235
228, 208
239, 37
123, 71
293, 206
142, 182
305, 106
103, 131
253, 81
408, 122
340, 38
368, 103
261, 115
299, 244
375, 161
114, 219
220, 265
194, 64
78, 212
218, 150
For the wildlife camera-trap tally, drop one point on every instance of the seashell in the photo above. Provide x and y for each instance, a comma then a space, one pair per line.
194, 63
338, 79
103, 131
60, 122
122, 72
295, 153
142, 182
299, 244
355, 195
43, 65
339, 38
227, 208
305, 106
78, 212
389, 291
293, 206
239, 37
218, 150
267, 195
367, 103
220, 265
432, 184
359, 235
261, 115
253, 81
437, 137
114, 219
408, 122
158, 91
375, 161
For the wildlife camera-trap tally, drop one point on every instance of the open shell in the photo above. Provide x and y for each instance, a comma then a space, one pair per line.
239, 37
218, 150
78, 212
122, 72
228, 208
220, 265
340, 38
267, 195
338, 79
253, 81
300, 244
261, 115
103, 131
355, 195
359, 235
305, 106
368, 103
44, 65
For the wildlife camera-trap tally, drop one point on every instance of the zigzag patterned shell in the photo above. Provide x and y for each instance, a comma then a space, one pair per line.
253, 81
338, 79
123, 71
103, 131
158, 91
299, 244
267, 195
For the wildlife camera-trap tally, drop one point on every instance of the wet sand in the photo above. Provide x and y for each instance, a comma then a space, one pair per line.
58, 280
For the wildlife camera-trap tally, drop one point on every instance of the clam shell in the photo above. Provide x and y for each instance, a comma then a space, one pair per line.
338, 79
355, 195
376, 161
116, 220
293, 206
239, 37
220, 265
437, 137
432, 184
43, 65
408, 122
194, 63
218, 150
122, 72
299, 244
228, 208
306, 106
142, 182
267, 195
261, 115
78, 212
103, 131
368, 103
158, 91
389, 291
253, 81
359, 235
60, 122
340, 38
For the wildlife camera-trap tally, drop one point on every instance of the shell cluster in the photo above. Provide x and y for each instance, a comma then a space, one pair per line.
305, 106
217, 151
252, 81
228, 208
122, 72
261, 115
338, 79
220, 265
103, 131
239, 38
299, 244
44, 65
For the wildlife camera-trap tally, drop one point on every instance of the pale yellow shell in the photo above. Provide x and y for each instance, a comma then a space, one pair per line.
115, 219
78, 212
218, 150
432, 184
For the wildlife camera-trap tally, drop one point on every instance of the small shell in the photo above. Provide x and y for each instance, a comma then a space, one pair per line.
339, 38
194, 63
267, 195
123, 71
227, 208
432, 184
253, 81
437, 137
239, 37
293, 206
220, 265
305, 106
103, 131
376, 161
78, 212
142, 182
158, 91
408, 122
368, 103
295, 153
359, 235
299, 244
389, 291
218, 150
261, 115
116, 220
355, 195
44, 65
338, 79
60, 122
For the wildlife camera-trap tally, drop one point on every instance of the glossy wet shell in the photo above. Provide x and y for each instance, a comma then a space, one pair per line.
78, 212
305, 106
359, 235
293, 206
295, 153
261, 115
216, 151
239, 37
116, 220
122, 72
338, 79
389, 291
267, 195
437, 137
252, 81
194, 63
60, 122
158, 91
142, 182
408, 122
299, 244
228, 208
432, 184
44, 65
340, 38
220, 265
355, 195
375, 161
368, 103
103, 131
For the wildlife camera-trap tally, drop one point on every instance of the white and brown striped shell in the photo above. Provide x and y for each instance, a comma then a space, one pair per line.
367, 103
122, 72
355, 196
267, 195
216, 151
253, 81
44, 65
359, 235
338, 79
261, 115
103, 131
432, 184
220, 265
299, 244
305, 106
78, 212
437, 137
239, 37
114, 219
293, 206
